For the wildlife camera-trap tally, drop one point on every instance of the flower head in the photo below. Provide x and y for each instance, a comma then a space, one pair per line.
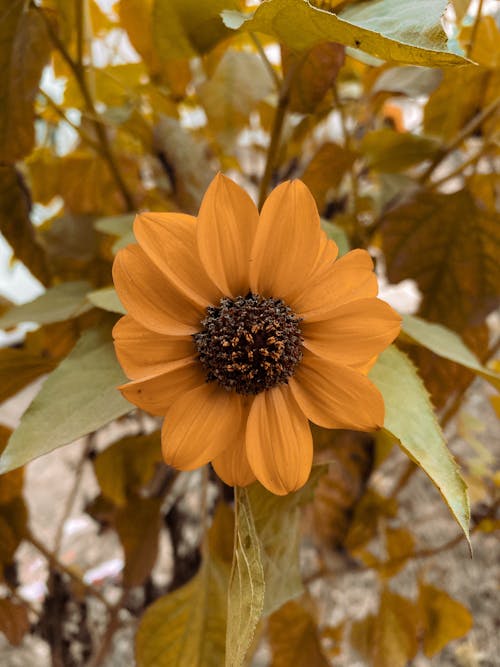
241, 328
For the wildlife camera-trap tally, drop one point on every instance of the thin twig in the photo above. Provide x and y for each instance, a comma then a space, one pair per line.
78, 128
100, 130
73, 493
277, 129
471, 127
56, 564
112, 626
461, 167
266, 61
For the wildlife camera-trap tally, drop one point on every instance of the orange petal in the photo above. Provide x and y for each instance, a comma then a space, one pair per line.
287, 241
150, 298
142, 352
200, 425
232, 465
226, 226
335, 396
354, 332
327, 254
279, 441
157, 393
169, 240
351, 277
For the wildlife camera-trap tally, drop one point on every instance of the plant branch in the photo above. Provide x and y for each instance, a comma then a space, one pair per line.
266, 61
78, 128
73, 493
469, 128
111, 628
277, 129
100, 130
56, 564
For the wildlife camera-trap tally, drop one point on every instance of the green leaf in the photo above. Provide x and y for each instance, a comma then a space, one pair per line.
410, 418
186, 28
337, 234
115, 225
15, 223
187, 628
277, 526
447, 344
57, 304
78, 397
107, 299
25, 48
395, 30
246, 584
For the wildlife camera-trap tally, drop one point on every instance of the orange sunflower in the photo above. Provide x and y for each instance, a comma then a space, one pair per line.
241, 328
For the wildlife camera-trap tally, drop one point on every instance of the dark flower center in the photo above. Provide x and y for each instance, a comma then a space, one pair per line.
249, 344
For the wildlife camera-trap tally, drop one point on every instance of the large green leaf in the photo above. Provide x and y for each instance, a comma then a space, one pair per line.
447, 344
401, 31
24, 50
107, 299
410, 418
55, 305
78, 397
277, 526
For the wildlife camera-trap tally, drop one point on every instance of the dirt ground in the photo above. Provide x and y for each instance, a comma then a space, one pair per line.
348, 595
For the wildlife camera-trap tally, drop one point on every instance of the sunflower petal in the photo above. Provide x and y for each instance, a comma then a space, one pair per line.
232, 465
150, 298
142, 352
226, 226
157, 393
201, 425
349, 278
354, 333
287, 242
279, 441
169, 240
335, 396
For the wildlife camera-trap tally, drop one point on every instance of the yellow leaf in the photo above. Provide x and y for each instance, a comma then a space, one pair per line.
444, 618
486, 48
187, 628
396, 30
388, 639
124, 467
391, 152
294, 639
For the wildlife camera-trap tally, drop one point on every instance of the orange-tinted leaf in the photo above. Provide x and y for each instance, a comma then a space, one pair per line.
326, 170
315, 74
18, 368
11, 484
391, 152
294, 638
15, 223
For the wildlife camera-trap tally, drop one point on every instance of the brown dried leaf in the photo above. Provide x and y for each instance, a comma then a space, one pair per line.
315, 75
18, 368
350, 456
14, 621
294, 638
11, 484
138, 526
15, 223
326, 170
24, 53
